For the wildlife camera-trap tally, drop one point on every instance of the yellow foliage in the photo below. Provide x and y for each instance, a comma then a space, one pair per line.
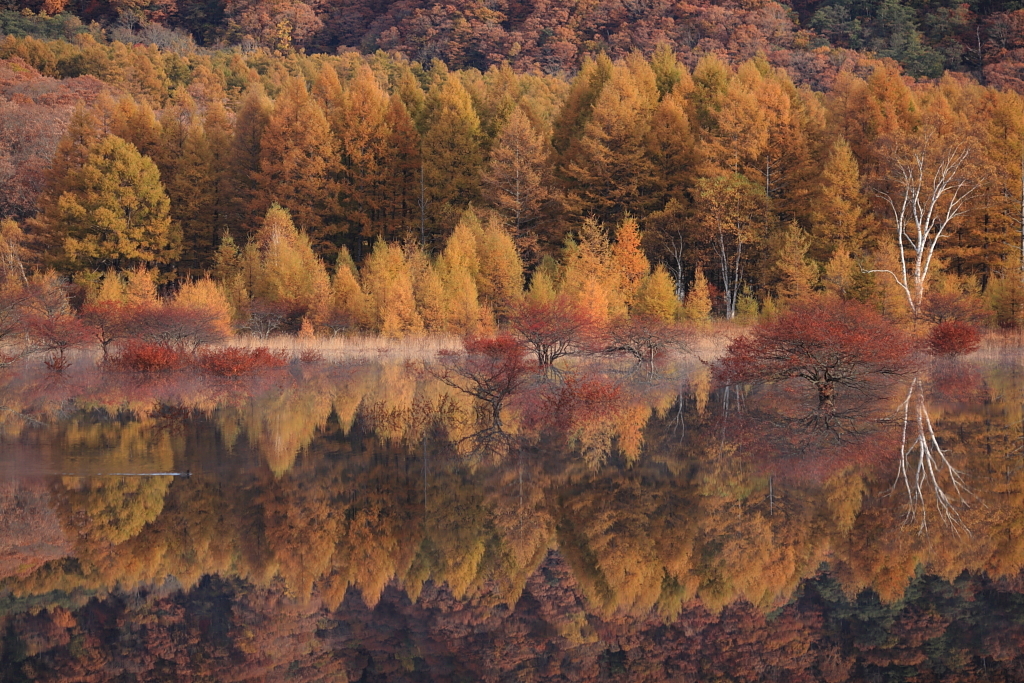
697, 306
387, 281
208, 298
656, 296
140, 288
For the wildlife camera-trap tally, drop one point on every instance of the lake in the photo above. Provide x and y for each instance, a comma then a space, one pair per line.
367, 522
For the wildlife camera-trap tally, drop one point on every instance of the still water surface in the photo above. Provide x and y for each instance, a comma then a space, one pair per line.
359, 524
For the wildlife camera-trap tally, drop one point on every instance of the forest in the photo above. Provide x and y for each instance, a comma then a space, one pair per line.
367, 191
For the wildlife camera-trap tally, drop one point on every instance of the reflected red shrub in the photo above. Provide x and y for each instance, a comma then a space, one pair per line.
953, 338
232, 362
140, 356
311, 356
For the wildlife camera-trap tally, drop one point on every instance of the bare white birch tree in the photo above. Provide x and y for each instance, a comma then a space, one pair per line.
931, 185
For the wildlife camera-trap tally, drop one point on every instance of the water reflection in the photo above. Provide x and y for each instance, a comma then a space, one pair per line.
337, 524
925, 472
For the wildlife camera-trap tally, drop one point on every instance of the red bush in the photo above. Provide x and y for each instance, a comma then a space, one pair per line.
554, 330
953, 338
140, 356
232, 362
826, 342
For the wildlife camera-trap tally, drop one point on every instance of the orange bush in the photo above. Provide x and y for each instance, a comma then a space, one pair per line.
140, 356
232, 362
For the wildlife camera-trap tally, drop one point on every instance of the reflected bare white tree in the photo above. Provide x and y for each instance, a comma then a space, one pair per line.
926, 474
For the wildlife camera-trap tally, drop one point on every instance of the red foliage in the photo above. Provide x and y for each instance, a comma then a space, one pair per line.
55, 335
141, 356
554, 330
953, 338
110, 322
825, 341
233, 361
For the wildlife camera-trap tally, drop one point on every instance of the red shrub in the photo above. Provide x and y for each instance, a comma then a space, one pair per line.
554, 330
139, 356
826, 342
232, 362
953, 338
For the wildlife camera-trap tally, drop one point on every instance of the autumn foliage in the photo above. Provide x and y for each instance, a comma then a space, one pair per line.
555, 329
824, 341
953, 338
232, 362
144, 356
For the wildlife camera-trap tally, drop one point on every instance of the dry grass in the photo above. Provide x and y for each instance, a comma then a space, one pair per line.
999, 345
356, 347
709, 343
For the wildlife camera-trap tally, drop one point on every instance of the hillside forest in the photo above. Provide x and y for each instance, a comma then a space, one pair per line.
396, 190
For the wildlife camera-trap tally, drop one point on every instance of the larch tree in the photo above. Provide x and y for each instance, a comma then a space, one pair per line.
298, 157
114, 211
459, 269
348, 310
797, 275
387, 281
579, 103
359, 121
250, 123
403, 209
840, 211
500, 280
628, 258
608, 168
697, 305
282, 269
429, 291
672, 148
656, 296
517, 180
451, 154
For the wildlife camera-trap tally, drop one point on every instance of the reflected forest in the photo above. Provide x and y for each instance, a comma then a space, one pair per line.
371, 522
